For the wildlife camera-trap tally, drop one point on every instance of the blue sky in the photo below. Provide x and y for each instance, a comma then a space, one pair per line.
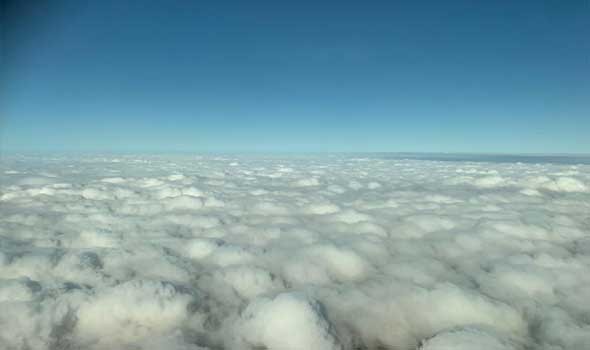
399, 76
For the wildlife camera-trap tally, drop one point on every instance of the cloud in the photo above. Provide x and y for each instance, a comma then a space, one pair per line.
255, 252
270, 323
467, 339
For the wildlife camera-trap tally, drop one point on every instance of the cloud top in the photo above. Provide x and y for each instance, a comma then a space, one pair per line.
338, 252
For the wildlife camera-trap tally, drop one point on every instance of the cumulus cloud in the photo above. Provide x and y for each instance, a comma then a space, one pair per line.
270, 323
335, 252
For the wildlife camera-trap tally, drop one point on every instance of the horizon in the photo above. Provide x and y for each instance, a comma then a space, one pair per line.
246, 152
456, 157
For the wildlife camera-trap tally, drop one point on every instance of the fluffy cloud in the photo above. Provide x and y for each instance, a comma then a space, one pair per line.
335, 252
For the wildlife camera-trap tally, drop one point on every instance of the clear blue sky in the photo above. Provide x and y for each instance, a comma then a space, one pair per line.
437, 76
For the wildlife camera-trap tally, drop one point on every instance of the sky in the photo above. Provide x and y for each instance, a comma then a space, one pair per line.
295, 76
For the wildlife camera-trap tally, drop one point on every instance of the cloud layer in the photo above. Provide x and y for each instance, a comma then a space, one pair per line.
334, 252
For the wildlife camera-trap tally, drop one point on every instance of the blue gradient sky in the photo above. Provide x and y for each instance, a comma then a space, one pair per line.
297, 76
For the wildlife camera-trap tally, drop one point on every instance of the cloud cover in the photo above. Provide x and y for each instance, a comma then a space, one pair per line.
333, 252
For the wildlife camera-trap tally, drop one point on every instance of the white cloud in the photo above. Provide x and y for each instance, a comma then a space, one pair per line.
271, 323
193, 253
